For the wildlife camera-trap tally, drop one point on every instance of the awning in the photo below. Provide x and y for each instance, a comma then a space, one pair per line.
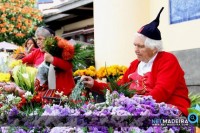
7, 46
78, 32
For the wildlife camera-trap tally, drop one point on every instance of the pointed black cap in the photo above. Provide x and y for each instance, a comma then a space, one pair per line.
151, 30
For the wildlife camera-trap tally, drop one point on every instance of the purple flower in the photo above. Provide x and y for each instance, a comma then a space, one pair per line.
13, 112
64, 112
20, 131
47, 109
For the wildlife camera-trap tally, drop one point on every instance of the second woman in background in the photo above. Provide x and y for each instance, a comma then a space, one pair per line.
30, 45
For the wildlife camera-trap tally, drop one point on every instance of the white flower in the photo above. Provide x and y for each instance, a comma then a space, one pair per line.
10, 97
59, 93
5, 129
88, 113
28, 94
25, 75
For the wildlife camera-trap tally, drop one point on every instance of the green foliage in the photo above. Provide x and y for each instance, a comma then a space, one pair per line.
84, 57
52, 47
32, 107
123, 88
195, 106
195, 99
110, 130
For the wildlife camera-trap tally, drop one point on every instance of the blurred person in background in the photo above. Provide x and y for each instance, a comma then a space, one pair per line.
30, 45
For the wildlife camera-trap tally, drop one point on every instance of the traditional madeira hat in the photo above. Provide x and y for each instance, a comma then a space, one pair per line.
151, 30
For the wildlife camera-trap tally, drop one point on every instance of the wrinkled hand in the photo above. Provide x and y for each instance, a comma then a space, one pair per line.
87, 81
48, 57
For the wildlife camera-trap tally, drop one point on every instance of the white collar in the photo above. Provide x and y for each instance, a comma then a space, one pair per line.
146, 67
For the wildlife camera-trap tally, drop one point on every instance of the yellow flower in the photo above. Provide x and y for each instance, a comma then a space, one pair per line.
92, 68
111, 71
91, 71
14, 63
4, 77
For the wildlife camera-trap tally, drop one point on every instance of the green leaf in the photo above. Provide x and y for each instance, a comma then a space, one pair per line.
193, 110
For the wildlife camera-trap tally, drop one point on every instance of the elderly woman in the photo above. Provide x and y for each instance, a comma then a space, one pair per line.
63, 68
154, 72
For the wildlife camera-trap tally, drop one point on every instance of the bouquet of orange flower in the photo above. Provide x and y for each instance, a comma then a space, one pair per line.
59, 47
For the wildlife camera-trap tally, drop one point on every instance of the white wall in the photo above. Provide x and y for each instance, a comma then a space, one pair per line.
115, 22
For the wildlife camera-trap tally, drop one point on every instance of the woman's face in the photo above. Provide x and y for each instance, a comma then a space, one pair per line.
143, 53
30, 43
40, 42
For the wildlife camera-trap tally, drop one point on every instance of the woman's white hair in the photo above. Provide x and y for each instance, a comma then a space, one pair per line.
150, 43
42, 32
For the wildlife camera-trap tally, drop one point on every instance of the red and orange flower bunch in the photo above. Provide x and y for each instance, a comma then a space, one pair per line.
68, 49
59, 47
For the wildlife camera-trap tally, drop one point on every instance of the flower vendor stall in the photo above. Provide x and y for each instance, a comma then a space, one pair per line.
121, 111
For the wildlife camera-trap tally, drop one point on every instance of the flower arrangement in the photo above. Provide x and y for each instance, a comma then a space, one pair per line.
117, 114
59, 47
80, 56
24, 77
113, 71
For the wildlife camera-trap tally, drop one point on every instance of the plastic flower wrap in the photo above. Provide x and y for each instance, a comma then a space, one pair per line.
4, 60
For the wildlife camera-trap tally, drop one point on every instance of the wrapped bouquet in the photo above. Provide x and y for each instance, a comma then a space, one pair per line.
59, 47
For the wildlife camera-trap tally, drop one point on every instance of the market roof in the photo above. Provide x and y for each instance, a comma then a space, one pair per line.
67, 13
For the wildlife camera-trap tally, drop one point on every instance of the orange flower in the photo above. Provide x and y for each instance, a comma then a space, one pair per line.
20, 14
3, 30
13, 19
68, 49
20, 35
